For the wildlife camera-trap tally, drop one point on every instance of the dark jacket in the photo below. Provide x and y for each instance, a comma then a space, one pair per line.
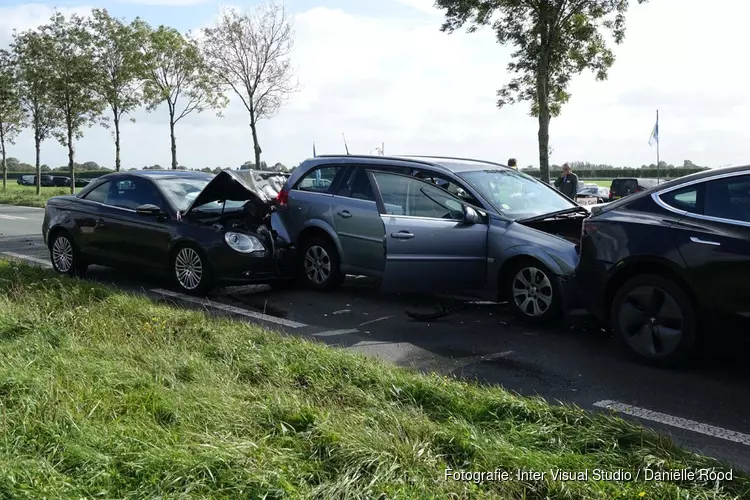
568, 185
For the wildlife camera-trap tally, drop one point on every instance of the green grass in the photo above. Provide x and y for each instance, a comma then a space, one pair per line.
15, 194
110, 395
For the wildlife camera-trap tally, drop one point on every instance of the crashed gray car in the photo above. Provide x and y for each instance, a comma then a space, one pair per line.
436, 225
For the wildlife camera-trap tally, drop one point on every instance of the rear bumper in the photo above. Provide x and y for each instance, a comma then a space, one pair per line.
591, 294
569, 288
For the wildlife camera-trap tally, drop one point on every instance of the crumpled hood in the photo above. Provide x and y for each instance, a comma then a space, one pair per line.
227, 186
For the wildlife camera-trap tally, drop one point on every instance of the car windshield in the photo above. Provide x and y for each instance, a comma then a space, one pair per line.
182, 192
515, 194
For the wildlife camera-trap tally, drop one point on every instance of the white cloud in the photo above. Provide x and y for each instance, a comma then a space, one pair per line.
403, 82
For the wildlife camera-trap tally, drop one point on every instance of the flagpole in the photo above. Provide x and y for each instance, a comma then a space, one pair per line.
658, 140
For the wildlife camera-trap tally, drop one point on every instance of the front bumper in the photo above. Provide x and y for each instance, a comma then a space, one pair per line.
230, 267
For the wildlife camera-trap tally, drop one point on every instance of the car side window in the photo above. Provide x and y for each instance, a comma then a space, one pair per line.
728, 198
357, 186
451, 186
318, 180
683, 199
415, 198
132, 193
99, 193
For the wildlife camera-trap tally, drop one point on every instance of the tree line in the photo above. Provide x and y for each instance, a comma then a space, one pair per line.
78, 71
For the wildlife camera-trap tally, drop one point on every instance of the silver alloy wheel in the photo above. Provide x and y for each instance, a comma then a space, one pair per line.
532, 289
62, 254
188, 268
317, 264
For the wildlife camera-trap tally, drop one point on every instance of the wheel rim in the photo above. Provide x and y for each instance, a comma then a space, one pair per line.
62, 254
188, 268
532, 291
651, 321
317, 264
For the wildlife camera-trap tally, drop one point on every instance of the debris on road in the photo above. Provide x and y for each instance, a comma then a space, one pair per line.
342, 311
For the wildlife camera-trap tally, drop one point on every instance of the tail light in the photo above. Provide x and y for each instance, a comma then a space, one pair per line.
282, 199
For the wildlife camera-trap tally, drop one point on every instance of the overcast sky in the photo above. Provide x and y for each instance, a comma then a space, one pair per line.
381, 71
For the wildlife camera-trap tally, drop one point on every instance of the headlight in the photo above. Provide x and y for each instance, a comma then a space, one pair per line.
243, 243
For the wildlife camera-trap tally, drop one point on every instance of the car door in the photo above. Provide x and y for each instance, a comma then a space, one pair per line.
311, 198
715, 239
132, 238
88, 217
358, 224
429, 248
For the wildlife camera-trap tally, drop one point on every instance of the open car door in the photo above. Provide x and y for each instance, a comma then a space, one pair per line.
434, 242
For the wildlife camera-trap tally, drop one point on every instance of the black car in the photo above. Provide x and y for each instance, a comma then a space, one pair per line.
625, 186
671, 266
27, 180
200, 229
60, 180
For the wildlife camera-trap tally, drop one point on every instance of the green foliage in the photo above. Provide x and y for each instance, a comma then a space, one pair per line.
554, 40
178, 76
610, 173
12, 116
110, 395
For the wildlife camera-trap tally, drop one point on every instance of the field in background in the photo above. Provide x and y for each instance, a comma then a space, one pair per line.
15, 194
111, 395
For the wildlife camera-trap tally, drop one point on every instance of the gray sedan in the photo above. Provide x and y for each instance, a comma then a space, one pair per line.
439, 225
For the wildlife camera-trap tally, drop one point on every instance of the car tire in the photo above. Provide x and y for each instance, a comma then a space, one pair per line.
644, 309
533, 292
320, 265
65, 256
190, 270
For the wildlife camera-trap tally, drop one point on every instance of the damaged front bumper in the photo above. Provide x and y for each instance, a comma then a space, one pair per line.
230, 267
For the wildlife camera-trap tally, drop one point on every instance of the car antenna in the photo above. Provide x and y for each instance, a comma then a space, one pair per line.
345, 146
314, 154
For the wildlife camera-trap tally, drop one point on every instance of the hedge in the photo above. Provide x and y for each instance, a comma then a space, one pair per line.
82, 174
610, 173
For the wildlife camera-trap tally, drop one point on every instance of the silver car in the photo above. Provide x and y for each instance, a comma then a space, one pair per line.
436, 225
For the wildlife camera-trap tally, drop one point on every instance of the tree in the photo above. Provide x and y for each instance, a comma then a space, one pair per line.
553, 40
71, 72
29, 51
120, 66
178, 77
12, 118
250, 54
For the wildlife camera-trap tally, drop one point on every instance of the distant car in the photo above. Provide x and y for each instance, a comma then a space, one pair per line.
200, 229
434, 225
80, 182
589, 194
669, 268
60, 180
27, 180
625, 186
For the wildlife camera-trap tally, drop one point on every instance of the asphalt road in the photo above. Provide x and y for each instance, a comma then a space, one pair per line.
704, 408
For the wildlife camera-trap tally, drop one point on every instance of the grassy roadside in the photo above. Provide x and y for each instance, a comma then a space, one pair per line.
109, 395
26, 196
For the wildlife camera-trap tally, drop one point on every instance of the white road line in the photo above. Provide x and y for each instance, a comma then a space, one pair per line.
231, 309
11, 217
375, 320
681, 423
331, 333
42, 262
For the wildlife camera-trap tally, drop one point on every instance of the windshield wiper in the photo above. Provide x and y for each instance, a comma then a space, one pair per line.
572, 210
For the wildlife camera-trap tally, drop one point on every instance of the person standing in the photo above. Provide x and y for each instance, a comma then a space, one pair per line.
567, 183
512, 163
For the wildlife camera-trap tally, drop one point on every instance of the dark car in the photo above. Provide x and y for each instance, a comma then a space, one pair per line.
202, 230
60, 180
625, 186
27, 180
671, 266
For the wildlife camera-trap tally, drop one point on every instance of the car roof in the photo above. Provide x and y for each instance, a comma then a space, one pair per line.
452, 164
180, 174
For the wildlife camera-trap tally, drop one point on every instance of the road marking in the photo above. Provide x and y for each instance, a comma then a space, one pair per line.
682, 423
331, 333
375, 320
231, 309
11, 217
42, 262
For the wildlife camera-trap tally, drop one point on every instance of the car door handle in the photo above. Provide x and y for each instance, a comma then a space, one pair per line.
345, 214
402, 235
695, 239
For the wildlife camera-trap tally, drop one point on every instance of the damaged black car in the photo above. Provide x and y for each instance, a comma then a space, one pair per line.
199, 229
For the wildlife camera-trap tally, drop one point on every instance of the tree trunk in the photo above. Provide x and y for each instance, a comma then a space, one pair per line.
174, 142
38, 146
117, 142
256, 144
542, 92
2, 151
71, 163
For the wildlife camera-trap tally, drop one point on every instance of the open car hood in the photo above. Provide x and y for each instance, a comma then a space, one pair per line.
227, 186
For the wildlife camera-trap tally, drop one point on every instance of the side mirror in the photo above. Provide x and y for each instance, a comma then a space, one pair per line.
148, 210
471, 216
